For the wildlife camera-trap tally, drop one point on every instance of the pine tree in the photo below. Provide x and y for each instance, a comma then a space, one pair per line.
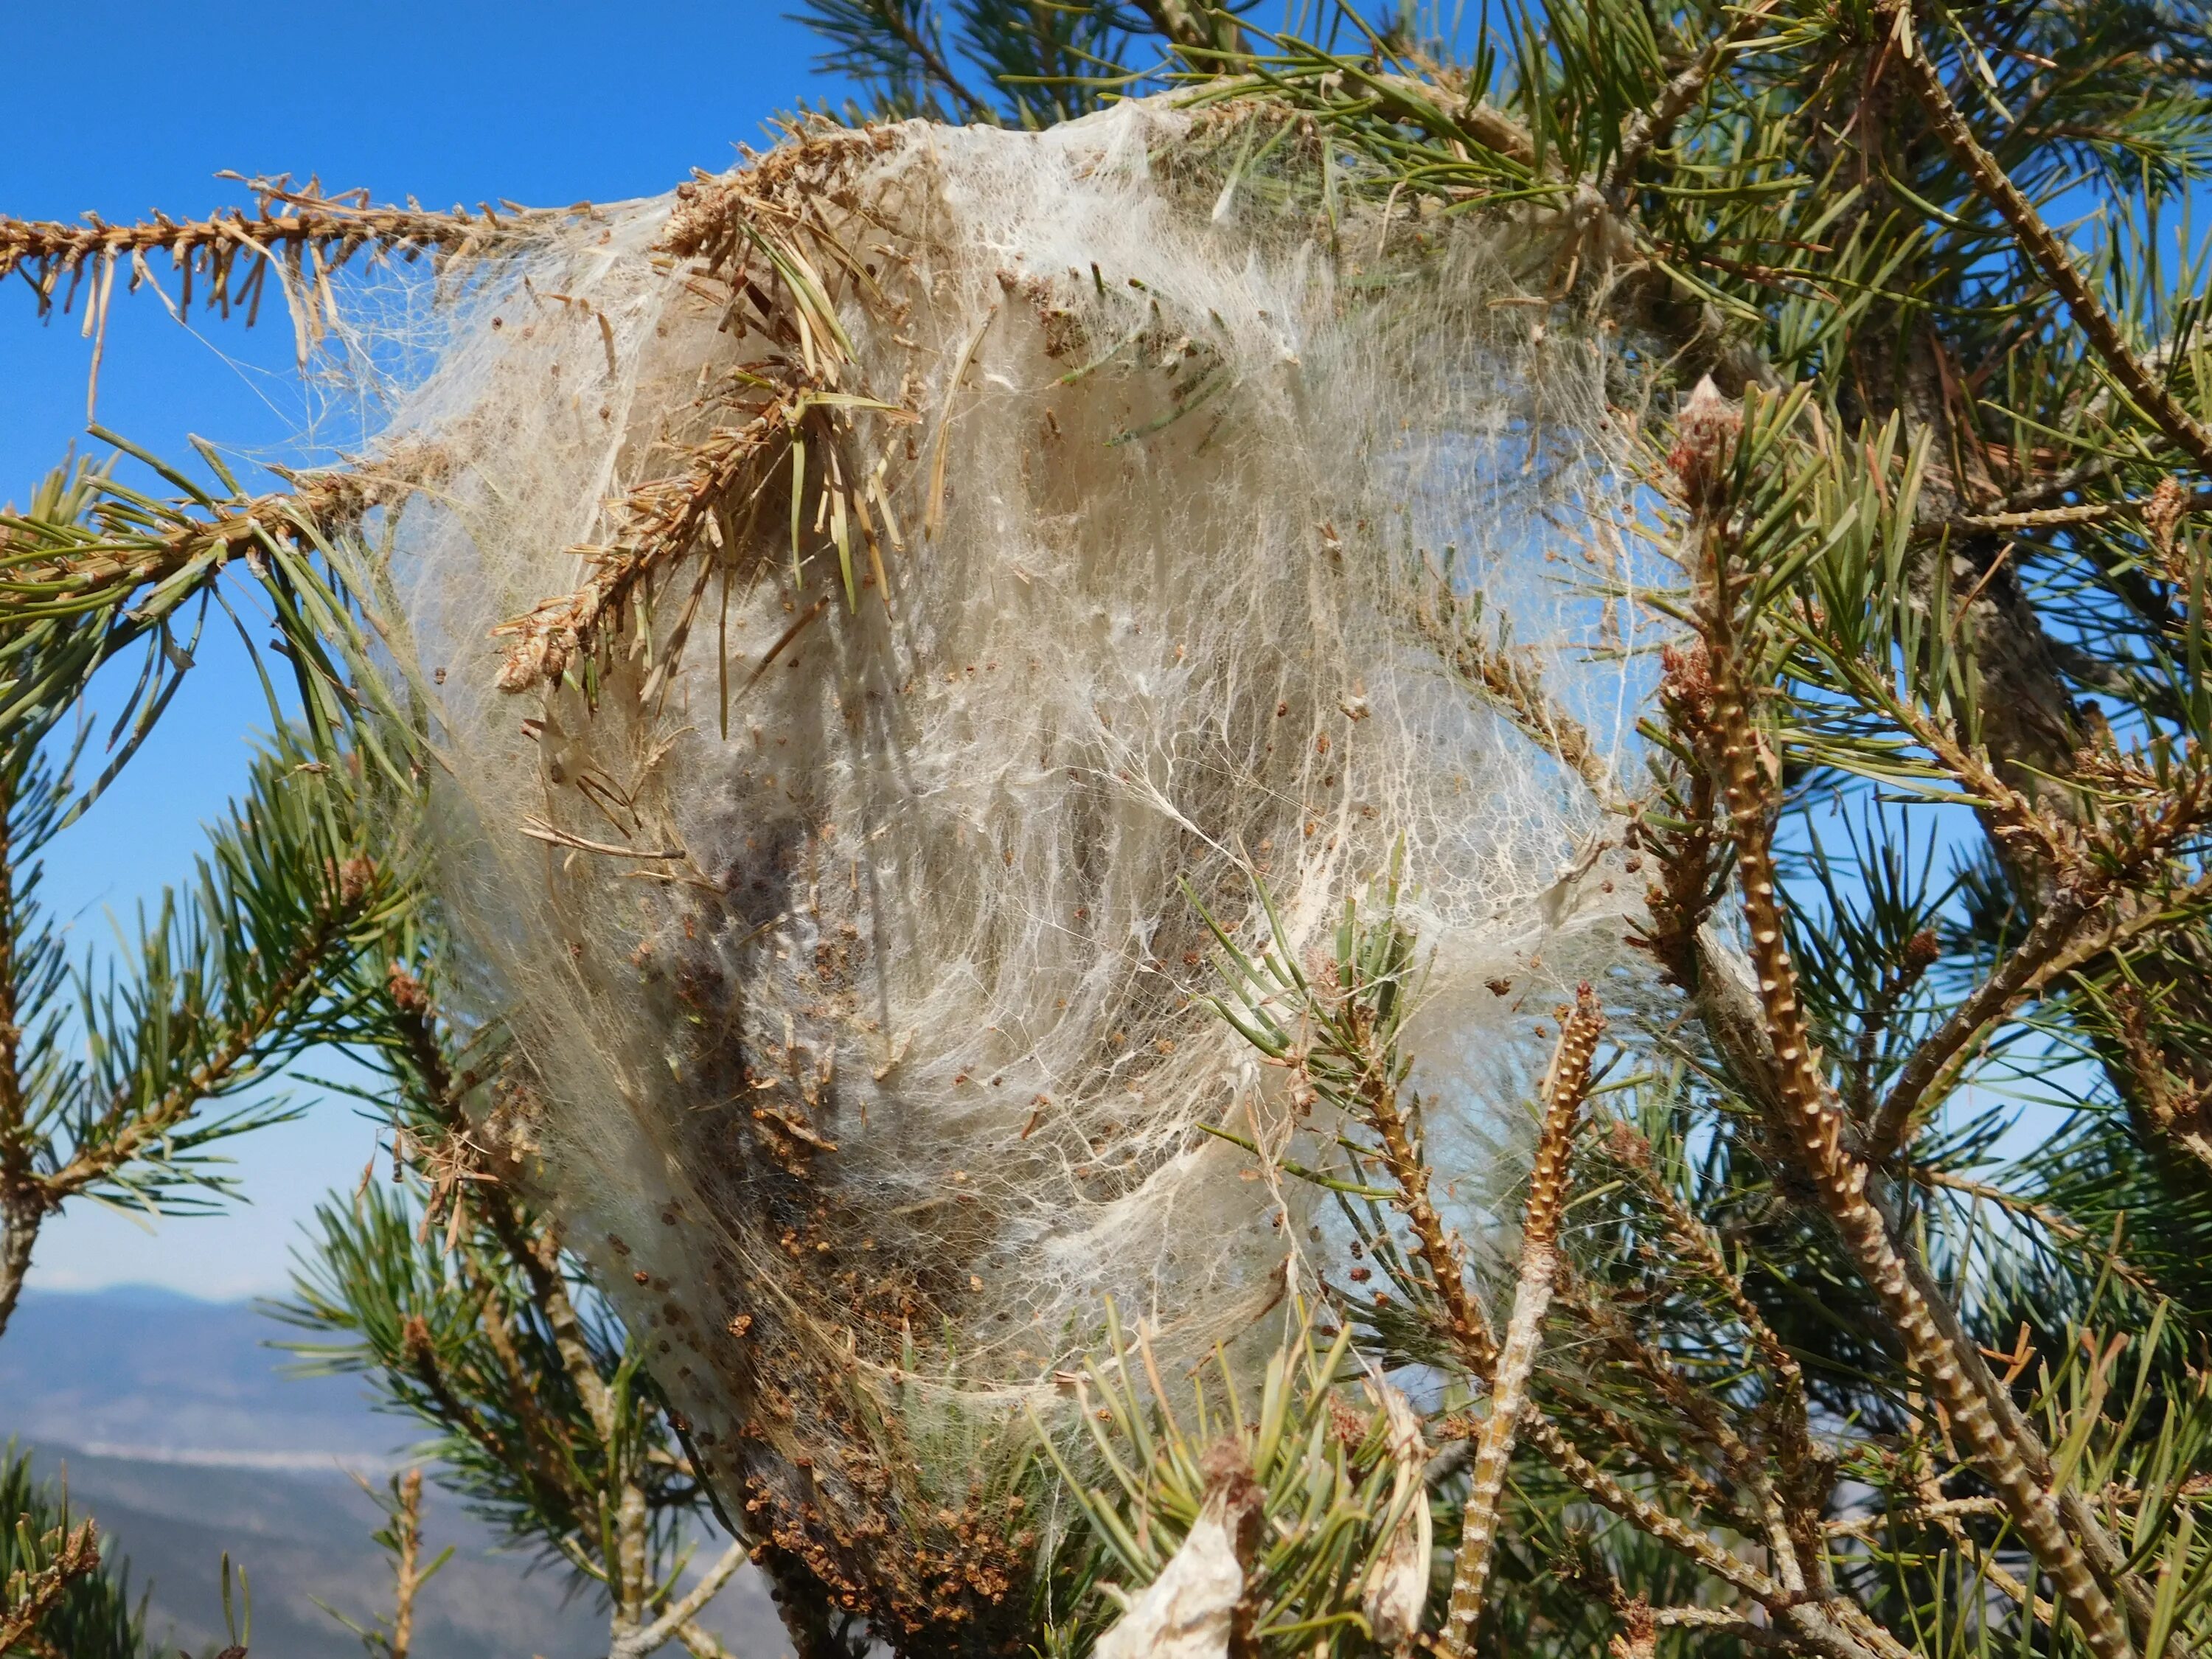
1798, 1351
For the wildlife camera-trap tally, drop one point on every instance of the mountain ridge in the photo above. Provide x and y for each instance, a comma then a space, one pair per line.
179, 1432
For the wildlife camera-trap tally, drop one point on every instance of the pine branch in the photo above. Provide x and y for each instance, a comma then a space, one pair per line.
1193, 24
1649, 129
479, 1335
408, 1574
532, 1246
1827, 1624
229, 986
2173, 1108
30, 1593
85, 580
55, 570
401, 1537
1646, 1516
2042, 246
1839, 1179
61, 1597
304, 234
1512, 682
1438, 1250
770, 420
1566, 1085
702, 1644
672, 1623
22, 1200
1996, 996
2052, 518
129, 1126
1699, 1248
664, 520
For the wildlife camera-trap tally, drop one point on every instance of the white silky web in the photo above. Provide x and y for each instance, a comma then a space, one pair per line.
851, 951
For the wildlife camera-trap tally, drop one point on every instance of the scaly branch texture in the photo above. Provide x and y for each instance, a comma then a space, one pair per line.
1813, 1118
62, 1592
1565, 1085
29, 1595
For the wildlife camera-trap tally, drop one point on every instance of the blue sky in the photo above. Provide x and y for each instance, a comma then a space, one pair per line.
471, 99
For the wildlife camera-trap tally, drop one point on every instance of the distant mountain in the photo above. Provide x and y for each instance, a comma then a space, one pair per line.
136, 1372
180, 1434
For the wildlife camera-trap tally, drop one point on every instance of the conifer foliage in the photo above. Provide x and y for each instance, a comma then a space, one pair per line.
1858, 1305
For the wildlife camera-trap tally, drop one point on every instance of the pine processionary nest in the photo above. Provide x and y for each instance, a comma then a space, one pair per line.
878, 597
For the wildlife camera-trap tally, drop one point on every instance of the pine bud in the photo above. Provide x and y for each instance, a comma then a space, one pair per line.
2162, 515
407, 992
1704, 442
354, 878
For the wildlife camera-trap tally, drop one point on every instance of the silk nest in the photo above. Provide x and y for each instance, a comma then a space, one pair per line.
871, 607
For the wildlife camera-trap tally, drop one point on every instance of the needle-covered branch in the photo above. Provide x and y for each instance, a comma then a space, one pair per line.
95, 568
2051, 256
62, 1591
305, 236
1710, 468
785, 416
400, 1538
30, 1593
452, 1294
226, 985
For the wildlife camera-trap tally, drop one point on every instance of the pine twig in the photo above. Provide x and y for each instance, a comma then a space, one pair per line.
893, 18
676, 1622
301, 234
1827, 1624
2173, 1106
1646, 1516
407, 1576
127, 1128
2043, 247
701, 1643
1698, 1412
661, 521
1566, 1085
22, 1196
1648, 128
1466, 1327
1193, 24
622, 1560
1513, 684
1818, 1128
48, 570
1719, 1621
2014, 979
2042, 1214
135, 1126
29, 1595
539, 1255
2051, 517
312, 233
